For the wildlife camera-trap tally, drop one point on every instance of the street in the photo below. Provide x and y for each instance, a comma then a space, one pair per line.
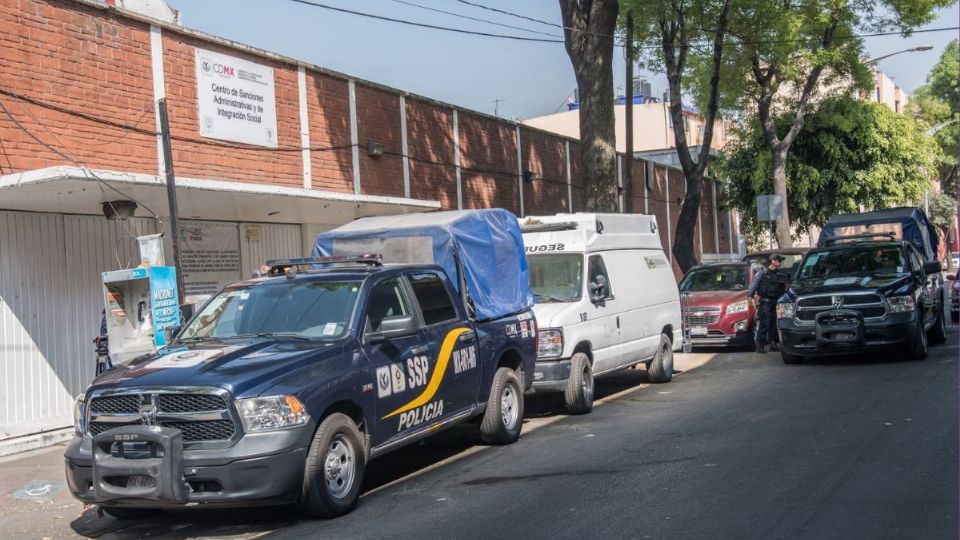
739, 445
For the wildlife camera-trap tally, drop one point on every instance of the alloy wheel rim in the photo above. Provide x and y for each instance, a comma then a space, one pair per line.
339, 466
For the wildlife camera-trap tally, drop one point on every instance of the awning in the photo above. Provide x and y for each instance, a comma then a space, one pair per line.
75, 190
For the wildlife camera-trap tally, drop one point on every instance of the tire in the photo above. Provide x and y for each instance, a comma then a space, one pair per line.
938, 333
919, 349
790, 358
955, 316
123, 512
660, 369
578, 396
503, 418
330, 490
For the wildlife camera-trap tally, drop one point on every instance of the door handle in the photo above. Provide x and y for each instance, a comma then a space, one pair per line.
467, 336
419, 350
618, 322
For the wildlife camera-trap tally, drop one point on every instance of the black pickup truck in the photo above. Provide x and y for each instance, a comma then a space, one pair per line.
281, 389
858, 295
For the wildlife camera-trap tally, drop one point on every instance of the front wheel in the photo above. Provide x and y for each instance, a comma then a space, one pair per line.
578, 396
660, 369
503, 418
334, 469
938, 332
919, 350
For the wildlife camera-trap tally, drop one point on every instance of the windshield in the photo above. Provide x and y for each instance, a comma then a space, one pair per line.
556, 278
854, 261
305, 309
726, 278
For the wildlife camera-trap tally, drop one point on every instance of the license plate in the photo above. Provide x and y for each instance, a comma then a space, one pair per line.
844, 336
141, 482
698, 330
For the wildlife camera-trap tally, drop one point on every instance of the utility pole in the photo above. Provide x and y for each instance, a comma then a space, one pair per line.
496, 106
171, 195
628, 164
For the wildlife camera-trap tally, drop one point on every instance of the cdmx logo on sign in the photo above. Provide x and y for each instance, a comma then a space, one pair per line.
209, 67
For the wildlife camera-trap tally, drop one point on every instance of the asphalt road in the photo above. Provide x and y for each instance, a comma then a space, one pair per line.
741, 447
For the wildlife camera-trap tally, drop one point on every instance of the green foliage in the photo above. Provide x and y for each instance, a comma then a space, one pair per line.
849, 154
943, 209
937, 103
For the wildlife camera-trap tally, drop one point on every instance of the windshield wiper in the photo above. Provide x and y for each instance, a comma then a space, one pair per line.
275, 335
548, 297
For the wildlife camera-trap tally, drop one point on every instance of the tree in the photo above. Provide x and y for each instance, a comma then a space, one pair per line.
787, 54
588, 36
937, 103
849, 154
675, 25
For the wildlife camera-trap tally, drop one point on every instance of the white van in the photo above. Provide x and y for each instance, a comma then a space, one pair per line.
606, 299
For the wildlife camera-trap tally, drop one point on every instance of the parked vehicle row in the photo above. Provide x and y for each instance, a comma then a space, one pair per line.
282, 388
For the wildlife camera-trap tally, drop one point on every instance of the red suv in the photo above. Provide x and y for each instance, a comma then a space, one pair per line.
716, 310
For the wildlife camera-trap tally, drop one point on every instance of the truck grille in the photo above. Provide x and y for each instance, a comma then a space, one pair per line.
869, 305
700, 316
199, 417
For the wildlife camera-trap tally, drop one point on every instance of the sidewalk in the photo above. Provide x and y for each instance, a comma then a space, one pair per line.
36, 503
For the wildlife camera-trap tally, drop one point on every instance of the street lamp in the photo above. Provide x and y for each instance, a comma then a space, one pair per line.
918, 48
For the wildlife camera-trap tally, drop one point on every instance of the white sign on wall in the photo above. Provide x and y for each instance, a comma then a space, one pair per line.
209, 254
236, 99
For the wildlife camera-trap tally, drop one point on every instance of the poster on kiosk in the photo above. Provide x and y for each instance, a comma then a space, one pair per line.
140, 303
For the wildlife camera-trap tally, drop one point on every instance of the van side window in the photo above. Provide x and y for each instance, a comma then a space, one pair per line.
386, 300
597, 278
435, 303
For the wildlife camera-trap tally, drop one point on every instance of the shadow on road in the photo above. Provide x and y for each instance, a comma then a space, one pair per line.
246, 522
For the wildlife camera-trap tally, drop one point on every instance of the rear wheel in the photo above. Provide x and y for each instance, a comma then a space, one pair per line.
334, 469
503, 419
660, 369
578, 396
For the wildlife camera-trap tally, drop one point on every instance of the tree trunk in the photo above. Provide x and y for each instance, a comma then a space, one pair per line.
628, 105
784, 238
588, 37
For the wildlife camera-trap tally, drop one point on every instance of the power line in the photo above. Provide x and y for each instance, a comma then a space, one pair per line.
425, 25
487, 21
517, 15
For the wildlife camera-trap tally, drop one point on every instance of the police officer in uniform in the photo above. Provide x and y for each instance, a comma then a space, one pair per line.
766, 288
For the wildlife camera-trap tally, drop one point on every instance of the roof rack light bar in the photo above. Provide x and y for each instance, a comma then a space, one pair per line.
867, 236
281, 265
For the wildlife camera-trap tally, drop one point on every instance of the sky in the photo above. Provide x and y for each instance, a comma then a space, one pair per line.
529, 78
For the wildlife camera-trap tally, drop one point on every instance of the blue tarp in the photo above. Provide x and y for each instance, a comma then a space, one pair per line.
911, 224
488, 243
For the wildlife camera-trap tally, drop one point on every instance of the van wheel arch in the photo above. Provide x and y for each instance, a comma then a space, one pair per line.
584, 347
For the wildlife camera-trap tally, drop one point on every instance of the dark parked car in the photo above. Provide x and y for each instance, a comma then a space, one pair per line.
857, 295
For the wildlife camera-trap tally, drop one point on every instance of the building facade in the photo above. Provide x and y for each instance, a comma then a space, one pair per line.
267, 151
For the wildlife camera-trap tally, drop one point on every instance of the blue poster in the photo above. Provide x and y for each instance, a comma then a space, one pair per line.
164, 302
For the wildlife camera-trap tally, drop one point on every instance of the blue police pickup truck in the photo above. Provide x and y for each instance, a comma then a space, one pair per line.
281, 389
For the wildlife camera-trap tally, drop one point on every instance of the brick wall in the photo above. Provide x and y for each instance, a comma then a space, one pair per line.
81, 59
73, 56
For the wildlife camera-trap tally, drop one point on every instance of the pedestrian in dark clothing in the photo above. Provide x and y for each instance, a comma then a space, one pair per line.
766, 289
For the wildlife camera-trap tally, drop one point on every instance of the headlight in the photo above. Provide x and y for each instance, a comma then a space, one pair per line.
550, 343
271, 412
737, 307
78, 412
900, 304
786, 310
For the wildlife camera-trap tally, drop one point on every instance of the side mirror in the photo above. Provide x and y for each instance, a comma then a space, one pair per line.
393, 327
951, 277
598, 289
932, 267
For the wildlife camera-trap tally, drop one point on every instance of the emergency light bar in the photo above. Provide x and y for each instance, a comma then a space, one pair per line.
281, 266
867, 236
